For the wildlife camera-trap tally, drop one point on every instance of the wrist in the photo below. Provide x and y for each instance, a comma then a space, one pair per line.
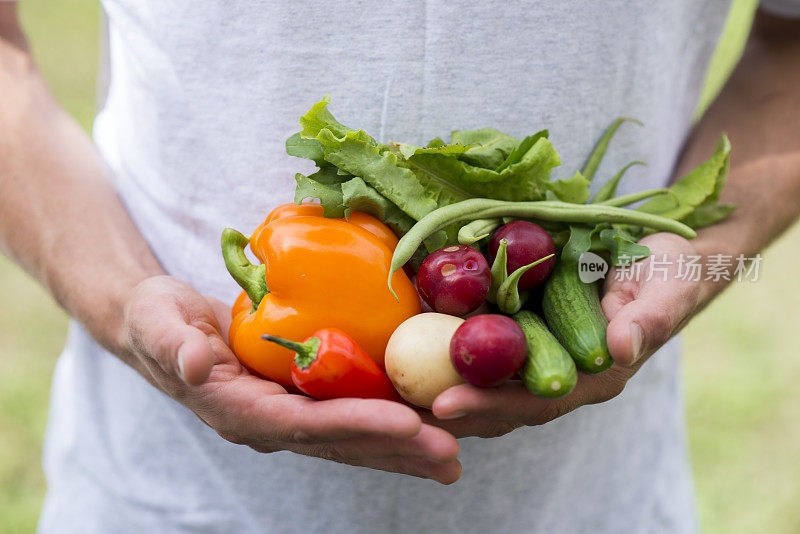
98, 301
720, 251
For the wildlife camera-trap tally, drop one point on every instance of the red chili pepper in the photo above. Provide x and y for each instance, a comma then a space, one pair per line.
330, 365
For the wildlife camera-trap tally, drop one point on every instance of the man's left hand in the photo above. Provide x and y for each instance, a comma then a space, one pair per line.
644, 311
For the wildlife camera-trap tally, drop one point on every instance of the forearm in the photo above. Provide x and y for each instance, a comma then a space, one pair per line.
60, 217
760, 110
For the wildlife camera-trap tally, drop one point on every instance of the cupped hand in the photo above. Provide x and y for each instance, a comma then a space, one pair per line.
176, 339
645, 309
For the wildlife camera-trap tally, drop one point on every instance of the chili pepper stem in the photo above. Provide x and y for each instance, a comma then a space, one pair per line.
306, 353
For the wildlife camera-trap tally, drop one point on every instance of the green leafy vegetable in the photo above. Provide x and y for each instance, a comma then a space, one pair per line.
575, 189
696, 188
319, 118
609, 189
580, 240
401, 183
516, 155
357, 195
357, 154
325, 185
407, 150
707, 214
490, 150
300, 147
525, 180
622, 247
591, 165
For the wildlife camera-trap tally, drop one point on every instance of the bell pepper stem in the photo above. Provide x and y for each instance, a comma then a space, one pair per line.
306, 352
250, 277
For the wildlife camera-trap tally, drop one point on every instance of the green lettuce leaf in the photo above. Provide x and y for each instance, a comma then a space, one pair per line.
319, 118
491, 146
575, 189
357, 195
358, 154
324, 185
527, 179
300, 147
406, 150
521, 149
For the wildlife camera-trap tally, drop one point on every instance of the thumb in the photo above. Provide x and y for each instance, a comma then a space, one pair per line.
158, 330
194, 356
647, 321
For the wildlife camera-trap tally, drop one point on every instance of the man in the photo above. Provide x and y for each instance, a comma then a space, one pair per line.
124, 234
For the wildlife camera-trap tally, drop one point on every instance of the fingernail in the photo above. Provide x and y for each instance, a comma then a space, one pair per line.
180, 366
454, 415
637, 338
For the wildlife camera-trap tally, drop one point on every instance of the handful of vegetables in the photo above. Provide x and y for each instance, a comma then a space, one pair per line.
482, 224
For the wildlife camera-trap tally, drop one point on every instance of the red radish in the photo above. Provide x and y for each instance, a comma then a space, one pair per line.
488, 349
527, 242
454, 280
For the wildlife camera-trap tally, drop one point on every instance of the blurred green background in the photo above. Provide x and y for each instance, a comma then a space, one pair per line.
742, 401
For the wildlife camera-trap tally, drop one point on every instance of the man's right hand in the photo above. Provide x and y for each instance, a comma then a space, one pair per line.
176, 337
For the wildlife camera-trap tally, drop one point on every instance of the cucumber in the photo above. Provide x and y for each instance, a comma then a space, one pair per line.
549, 370
572, 311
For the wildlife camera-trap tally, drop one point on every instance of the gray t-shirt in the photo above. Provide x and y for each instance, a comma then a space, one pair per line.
202, 96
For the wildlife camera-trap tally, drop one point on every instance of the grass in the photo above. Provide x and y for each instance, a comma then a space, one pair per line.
64, 37
742, 402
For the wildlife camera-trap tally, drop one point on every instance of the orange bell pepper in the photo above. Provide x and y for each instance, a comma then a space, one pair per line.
364, 220
316, 272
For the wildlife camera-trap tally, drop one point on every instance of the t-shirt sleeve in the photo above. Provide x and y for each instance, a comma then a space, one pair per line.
784, 8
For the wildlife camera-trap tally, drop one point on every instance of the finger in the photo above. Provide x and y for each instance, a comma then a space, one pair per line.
466, 426
647, 322
344, 418
512, 403
158, 330
431, 443
222, 313
195, 357
616, 294
444, 473
297, 419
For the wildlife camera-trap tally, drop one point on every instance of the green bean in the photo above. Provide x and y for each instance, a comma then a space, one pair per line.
636, 197
473, 232
548, 210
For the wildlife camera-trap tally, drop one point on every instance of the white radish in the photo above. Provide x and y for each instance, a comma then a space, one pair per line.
418, 357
